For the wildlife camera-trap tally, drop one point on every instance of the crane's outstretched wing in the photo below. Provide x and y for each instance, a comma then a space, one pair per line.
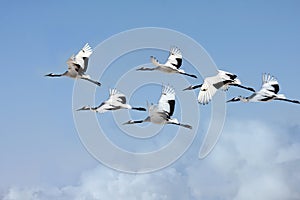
116, 97
208, 89
166, 102
269, 84
226, 77
175, 58
82, 57
113, 103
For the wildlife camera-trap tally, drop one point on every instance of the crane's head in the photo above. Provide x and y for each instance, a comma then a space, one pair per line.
56, 75
235, 99
128, 122
188, 88
146, 69
50, 74
142, 69
85, 108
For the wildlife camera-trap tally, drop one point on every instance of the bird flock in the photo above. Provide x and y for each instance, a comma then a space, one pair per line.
162, 112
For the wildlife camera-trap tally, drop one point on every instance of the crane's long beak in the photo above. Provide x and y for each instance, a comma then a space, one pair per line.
84, 108
192, 87
50, 74
235, 99
188, 88
128, 122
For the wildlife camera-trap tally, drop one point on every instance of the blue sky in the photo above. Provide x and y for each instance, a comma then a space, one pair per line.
40, 148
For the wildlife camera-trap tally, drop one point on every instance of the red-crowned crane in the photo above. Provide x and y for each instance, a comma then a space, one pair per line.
172, 65
223, 80
268, 92
77, 65
162, 112
115, 101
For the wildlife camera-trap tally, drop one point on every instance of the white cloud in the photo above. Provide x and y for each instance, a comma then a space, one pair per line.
266, 186
251, 161
244, 165
102, 183
291, 153
33, 193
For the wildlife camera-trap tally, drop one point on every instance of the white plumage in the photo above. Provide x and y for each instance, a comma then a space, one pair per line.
172, 64
167, 100
115, 101
223, 80
77, 65
162, 112
268, 92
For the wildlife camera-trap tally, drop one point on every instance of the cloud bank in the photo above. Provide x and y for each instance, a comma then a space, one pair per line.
252, 160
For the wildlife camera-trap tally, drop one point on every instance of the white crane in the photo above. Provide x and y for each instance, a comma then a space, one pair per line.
268, 92
77, 65
172, 65
161, 113
115, 101
223, 80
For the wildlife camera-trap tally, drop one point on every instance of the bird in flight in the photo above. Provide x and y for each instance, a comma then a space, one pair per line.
115, 101
163, 111
172, 65
77, 65
268, 92
223, 80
